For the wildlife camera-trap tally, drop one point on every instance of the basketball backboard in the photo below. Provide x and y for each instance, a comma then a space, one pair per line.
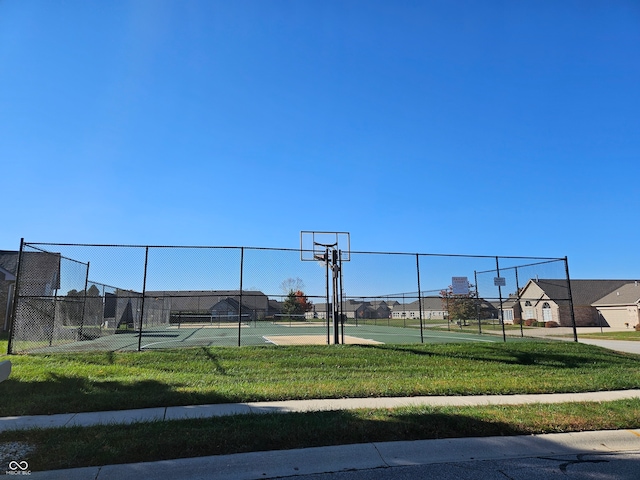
313, 245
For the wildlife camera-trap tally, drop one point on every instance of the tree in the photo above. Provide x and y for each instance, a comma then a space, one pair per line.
459, 306
80, 309
291, 285
296, 303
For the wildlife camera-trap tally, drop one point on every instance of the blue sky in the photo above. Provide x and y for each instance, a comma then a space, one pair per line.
490, 128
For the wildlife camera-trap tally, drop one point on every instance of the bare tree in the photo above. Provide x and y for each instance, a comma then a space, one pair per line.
292, 285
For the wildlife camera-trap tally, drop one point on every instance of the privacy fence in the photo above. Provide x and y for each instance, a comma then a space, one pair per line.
78, 297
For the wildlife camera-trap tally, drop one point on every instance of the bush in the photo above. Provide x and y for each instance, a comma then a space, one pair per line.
517, 321
551, 325
529, 321
637, 327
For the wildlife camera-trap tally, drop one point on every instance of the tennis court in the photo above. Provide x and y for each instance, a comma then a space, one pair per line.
263, 333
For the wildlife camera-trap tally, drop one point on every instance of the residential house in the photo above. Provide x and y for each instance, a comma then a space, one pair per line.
8, 269
621, 307
548, 300
432, 308
356, 309
510, 308
255, 305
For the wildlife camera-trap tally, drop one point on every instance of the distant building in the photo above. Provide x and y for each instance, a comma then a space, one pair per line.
621, 307
546, 300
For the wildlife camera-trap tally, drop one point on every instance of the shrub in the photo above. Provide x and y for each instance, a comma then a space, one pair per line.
551, 324
637, 327
517, 321
529, 321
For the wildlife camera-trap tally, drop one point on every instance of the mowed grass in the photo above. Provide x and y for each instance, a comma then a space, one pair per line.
113, 444
81, 382
631, 335
104, 381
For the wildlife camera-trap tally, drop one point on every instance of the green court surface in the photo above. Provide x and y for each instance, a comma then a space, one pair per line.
263, 333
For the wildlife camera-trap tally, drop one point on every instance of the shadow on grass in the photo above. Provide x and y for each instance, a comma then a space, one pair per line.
114, 444
534, 353
72, 394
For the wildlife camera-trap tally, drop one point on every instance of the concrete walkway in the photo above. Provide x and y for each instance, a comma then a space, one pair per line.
367, 457
616, 345
207, 411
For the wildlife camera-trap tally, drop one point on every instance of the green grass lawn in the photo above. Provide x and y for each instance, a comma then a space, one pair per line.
112, 444
624, 335
79, 382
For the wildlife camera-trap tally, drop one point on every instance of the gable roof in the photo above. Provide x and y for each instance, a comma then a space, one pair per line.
628, 294
427, 303
583, 292
203, 300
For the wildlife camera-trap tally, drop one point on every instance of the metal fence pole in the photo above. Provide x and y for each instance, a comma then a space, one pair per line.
14, 307
334, 287
475, 279
84, 302
340, 295
419, 297
573, 316
240, 303
501, 314
326, 259
518, 299
53, 323
144, 291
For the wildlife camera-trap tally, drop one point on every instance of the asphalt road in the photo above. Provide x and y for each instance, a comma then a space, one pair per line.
620, 466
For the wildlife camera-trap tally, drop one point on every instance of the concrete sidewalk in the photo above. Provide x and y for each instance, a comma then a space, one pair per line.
366, 456
207, 411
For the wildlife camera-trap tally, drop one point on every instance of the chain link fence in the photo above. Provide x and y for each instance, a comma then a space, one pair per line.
72, 297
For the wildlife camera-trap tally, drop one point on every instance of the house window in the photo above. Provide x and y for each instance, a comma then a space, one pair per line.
507, 315
546, 312
528, 313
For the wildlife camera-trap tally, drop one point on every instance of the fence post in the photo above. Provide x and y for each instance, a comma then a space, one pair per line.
340, 295
419, 297
240, 302
326, 259
14, 307
84, 302
144, 292
475, 279
573, 316
519, 308
501, 313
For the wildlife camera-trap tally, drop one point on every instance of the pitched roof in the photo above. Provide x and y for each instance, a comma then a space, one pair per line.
203, 300
628, 294
427, 303
9, 260
583, 292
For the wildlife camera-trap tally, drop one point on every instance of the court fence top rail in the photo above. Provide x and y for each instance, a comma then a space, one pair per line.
85, 297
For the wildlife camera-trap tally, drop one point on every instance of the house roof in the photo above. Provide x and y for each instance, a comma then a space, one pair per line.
203, 300
583, 292
9, 261
509, 302
428, 303
627, 294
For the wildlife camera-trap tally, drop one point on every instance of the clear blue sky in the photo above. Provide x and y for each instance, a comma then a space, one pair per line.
476, 127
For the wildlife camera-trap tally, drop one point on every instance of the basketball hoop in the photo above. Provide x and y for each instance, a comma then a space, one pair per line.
325, 248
